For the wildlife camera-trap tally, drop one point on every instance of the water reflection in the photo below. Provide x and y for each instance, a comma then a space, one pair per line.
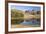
17, 21
26, 21
31, 22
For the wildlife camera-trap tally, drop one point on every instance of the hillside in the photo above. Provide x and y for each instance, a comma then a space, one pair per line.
16, 14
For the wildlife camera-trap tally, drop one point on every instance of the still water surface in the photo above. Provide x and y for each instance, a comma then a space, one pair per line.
32, 22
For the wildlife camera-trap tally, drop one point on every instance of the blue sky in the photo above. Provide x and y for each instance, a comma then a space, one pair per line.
36, 8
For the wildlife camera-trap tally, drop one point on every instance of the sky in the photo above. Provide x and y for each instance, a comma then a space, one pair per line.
36, 8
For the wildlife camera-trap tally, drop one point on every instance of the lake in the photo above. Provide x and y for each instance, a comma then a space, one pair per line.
32, 23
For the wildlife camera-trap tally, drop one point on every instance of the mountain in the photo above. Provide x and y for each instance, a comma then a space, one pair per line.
33, 12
